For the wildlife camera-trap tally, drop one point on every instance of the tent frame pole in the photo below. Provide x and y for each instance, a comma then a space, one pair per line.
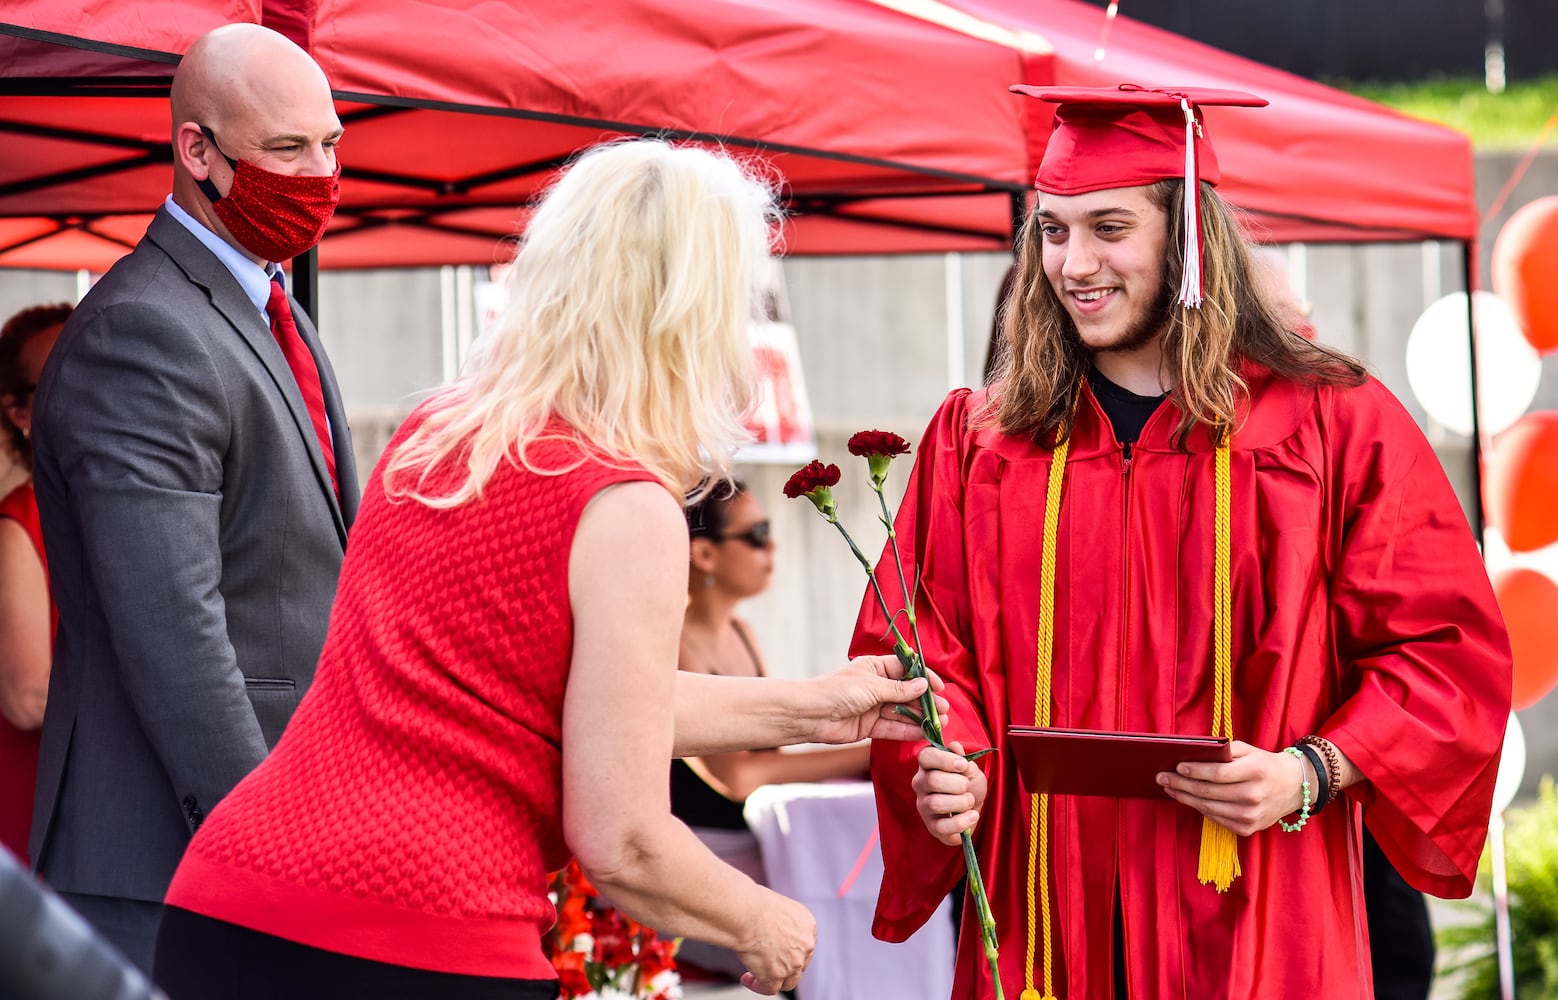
305, 282
1469, 263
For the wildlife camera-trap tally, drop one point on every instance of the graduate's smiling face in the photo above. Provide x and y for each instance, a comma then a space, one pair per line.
1104, 254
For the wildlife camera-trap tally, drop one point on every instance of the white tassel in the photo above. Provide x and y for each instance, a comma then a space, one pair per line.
1190, 280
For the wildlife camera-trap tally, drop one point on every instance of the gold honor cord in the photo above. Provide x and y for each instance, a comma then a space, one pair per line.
1038, 805
1219, 862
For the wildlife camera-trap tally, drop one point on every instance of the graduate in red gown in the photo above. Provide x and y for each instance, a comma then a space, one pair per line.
1169, 513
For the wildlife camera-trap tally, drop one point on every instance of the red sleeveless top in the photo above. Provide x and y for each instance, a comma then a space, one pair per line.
19, 749
412, 809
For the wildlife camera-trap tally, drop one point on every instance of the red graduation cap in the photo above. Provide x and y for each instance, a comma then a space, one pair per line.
1129, 136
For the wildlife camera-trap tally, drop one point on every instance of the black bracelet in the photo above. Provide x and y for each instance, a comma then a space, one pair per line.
1333, 766
1321, 794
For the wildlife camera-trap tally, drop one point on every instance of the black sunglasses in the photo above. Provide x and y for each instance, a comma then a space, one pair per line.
759, 536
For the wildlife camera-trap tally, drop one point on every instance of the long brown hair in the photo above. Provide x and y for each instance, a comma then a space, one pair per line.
1042, 361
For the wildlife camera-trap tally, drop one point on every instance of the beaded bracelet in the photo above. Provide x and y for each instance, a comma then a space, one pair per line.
1303, 814
1333, 767
1322, 794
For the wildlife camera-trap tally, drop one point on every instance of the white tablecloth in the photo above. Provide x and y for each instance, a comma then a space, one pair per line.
812, 837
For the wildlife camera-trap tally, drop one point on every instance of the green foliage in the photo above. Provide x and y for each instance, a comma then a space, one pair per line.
1468, 953
1511, 120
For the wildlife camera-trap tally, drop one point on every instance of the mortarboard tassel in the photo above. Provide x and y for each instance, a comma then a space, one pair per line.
1190, 280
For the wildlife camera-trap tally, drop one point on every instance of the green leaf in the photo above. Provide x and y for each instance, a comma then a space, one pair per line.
978, 753
1467, 949
907, 712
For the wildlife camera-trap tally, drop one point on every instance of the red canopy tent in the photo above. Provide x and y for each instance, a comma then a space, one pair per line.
1318, 165
892, 134
84, 125
458, 113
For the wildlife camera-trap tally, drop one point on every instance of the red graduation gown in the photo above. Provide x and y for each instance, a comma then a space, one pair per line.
1362, 612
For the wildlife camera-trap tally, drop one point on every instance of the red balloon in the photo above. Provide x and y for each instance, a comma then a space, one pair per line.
1522, 482
1529, 601
1525, 270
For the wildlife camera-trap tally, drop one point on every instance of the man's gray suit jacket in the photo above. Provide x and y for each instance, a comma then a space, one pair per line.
193, 541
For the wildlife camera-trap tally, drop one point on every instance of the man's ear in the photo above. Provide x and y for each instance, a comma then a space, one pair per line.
192, 150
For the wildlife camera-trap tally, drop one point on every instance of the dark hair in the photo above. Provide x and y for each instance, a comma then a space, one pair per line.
14, 386
708, 516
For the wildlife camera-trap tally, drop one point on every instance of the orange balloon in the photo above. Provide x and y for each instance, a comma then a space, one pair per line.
1525, 270
1522, 482
1529, 601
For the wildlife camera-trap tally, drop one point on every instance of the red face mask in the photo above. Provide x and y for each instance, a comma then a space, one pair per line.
273, 216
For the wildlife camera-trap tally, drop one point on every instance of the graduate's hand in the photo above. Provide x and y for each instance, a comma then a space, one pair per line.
949, 792
1248, 793
857, 701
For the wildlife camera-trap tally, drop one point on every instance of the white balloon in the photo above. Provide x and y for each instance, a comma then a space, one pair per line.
1511, 766
1439, 364
1495, 551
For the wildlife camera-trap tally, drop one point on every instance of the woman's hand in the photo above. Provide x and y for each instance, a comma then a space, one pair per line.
1248, 793
780, 947
856, 702
949, 791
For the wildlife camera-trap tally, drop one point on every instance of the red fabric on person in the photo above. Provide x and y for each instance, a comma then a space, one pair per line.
19, 749
1361, 612
305, 370
412, 809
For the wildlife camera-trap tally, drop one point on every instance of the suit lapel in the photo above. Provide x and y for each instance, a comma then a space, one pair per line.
229, 299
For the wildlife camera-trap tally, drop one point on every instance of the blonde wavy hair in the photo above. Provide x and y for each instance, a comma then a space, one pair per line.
1042, 362
628, 311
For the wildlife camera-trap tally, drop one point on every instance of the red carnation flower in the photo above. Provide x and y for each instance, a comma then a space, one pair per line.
810, 477
572, 977
878, 448
886, 443
655, 955
815, 482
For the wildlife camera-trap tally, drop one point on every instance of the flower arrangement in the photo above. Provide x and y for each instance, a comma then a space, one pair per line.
815, 482
599, 953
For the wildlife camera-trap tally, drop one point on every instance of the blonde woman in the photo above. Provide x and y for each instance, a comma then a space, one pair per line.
499, 685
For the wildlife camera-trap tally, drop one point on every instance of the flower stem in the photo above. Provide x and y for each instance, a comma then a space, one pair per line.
912, 663
914, 666
976, 887
908, 599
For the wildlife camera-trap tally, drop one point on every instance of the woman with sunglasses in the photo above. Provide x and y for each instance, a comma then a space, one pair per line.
731, 558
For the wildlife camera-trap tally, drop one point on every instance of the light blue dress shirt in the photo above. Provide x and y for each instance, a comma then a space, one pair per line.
254, 279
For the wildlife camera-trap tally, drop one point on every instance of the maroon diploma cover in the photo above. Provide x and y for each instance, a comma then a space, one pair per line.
1099, 762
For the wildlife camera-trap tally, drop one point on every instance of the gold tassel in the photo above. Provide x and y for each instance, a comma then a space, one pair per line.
1219, 863
1219, 855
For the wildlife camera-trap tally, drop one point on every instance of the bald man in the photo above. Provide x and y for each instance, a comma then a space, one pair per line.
195, 480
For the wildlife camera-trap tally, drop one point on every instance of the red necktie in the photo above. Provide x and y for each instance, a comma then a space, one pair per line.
304, 370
